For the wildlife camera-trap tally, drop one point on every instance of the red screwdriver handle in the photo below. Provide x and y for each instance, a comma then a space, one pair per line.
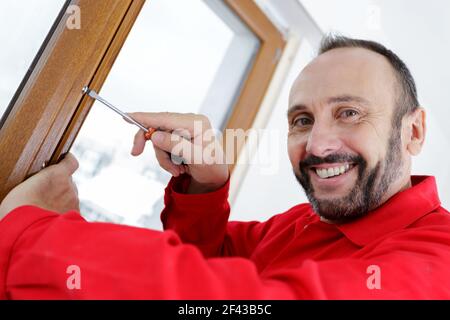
149, 133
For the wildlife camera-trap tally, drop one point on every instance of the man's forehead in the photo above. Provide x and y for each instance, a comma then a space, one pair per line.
344, 72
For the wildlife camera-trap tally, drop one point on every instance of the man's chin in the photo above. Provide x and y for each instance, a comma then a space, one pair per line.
337, 211
338, 208
335, 195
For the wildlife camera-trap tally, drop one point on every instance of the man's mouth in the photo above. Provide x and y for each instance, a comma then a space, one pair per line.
326, 171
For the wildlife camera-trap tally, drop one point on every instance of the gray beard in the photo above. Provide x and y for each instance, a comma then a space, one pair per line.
367, 194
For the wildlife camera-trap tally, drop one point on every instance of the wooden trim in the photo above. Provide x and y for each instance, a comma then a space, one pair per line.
97, 81
256, 20
258, 80
50, 98
263, 117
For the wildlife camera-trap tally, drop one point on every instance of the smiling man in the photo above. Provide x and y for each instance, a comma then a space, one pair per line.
371, 230
354, 123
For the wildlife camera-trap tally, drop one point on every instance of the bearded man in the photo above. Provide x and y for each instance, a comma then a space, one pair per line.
371, 230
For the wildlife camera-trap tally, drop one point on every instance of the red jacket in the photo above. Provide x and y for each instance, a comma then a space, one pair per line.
400, 250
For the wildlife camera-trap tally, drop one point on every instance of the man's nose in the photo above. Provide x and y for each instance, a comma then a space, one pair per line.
323, 141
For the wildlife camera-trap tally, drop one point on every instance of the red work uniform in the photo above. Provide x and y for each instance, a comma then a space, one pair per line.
400, 250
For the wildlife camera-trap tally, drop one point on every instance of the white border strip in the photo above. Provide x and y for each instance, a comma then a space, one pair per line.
262, 118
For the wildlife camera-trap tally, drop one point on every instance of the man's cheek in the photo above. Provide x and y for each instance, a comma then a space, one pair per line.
295, 152
294, 156
295, 161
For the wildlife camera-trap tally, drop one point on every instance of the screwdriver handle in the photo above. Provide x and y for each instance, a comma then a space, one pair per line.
175, 159
149, 133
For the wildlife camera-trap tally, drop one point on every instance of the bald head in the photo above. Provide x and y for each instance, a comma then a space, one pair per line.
407, 101
353, 72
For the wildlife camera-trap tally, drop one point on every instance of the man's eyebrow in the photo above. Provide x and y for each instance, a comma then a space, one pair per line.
296, 108
333, 100
348, 98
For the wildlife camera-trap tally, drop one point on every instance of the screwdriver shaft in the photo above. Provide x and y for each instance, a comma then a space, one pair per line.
95, 96
148, 132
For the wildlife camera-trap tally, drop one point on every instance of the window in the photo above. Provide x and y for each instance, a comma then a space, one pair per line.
171, 61
50, 110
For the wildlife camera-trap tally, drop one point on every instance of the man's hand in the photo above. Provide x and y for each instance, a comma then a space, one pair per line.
179, 135
51, 189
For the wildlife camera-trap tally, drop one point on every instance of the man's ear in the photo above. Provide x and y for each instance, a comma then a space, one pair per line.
417, 131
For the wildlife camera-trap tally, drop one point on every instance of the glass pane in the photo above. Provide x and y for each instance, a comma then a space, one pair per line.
23, 28
180, 56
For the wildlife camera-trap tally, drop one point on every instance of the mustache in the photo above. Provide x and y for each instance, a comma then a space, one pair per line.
312, 160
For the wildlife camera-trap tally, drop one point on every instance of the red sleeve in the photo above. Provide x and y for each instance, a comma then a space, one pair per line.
115, 262
120, 262
202, 220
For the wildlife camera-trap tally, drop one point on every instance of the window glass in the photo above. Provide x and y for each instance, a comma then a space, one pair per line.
24, 26
180, 56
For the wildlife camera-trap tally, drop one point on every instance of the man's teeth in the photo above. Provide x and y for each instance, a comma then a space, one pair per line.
334, 171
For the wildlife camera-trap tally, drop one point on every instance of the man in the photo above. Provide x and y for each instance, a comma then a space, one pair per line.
370, 230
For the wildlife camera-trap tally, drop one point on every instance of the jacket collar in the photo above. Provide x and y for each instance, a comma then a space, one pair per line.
397, 213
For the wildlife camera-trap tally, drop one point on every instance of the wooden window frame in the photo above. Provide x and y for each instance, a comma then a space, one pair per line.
48, 109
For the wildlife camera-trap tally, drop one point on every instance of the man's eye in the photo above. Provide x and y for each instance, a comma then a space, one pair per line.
302, 121
349, 113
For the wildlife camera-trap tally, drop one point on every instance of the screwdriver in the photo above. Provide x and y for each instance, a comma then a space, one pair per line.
91, 93
148, 131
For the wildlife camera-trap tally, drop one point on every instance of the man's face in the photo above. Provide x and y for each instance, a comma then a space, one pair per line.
344, 150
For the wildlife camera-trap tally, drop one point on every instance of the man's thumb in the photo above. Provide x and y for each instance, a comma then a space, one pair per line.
69, 163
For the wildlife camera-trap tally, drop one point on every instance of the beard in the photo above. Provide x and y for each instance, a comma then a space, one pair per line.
367, 193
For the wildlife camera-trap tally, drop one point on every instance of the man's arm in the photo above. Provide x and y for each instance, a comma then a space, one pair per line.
50, 256
196, 204
41, 253
202, 220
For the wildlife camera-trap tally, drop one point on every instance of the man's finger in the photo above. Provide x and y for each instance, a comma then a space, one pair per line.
177, 146
138, 143
164, 161
169, 121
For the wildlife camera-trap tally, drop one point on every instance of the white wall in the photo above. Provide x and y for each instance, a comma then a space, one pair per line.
418, 31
